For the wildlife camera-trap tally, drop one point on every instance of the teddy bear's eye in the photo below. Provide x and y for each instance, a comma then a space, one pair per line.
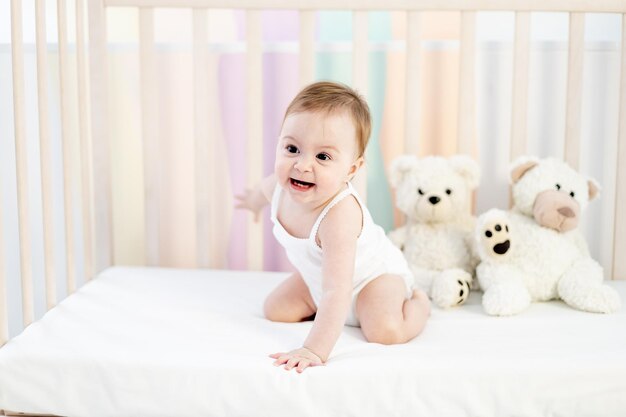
558, 187
420, 192
572, 194
448, 191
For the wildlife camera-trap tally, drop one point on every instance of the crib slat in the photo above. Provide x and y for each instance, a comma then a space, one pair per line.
360, 52
220, 210
67, 150
85, 146
254, 81
467, 111
45, 152
614, 6
205, 181
101, 154
412, 99
619, 236
150, 136
574, 88
307, 47
21, 157
519, 117
4, 313
360, 64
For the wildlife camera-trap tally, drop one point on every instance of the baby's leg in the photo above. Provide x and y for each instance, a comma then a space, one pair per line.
386, 316
289, 302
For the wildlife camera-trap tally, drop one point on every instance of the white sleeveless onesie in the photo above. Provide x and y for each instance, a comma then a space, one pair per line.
375, 253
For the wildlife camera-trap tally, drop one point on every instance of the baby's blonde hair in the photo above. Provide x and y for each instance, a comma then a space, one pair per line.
328, 97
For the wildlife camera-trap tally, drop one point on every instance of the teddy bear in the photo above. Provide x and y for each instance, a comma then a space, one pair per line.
535, 252
435, 195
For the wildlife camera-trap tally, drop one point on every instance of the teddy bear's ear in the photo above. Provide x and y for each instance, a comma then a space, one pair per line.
467, 168
594, 188
400, 167
521, 165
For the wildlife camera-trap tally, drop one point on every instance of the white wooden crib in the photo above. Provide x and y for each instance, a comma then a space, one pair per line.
154, 341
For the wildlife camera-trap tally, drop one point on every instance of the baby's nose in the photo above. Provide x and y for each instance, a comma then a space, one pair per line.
302, 164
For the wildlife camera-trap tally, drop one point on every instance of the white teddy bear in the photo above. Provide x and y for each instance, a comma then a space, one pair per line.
435, 194
534, 252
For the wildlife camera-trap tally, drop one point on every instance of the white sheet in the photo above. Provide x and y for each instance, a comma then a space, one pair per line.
165, 342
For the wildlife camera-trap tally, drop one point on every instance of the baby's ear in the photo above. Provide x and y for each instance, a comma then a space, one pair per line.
467, 168
521, 166
355, 167
594, 188
401, 166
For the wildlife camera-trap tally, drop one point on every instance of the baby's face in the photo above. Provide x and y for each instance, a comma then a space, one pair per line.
315, 156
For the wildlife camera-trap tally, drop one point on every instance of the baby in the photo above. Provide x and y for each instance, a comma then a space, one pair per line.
348, 271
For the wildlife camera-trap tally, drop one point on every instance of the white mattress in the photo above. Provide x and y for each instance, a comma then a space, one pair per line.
165, 342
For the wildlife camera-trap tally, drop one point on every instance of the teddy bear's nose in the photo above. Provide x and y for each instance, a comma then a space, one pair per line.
434, 200
567, 212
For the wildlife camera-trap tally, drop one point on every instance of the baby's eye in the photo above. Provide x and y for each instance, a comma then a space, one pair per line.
291, 149
323, 156
420, 192
448, 191
572, 194
558, 187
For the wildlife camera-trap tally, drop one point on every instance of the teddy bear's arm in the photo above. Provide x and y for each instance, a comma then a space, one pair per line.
398, 236
470, 244
504, 292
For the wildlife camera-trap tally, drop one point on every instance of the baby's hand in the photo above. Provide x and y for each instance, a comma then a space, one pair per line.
300, 359
251, 200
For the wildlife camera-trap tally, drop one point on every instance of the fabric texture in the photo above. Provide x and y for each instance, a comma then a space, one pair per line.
375, 253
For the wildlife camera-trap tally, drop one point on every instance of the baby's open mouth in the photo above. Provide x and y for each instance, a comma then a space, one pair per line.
303, 185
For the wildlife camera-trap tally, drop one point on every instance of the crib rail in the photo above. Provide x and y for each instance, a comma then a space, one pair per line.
585, 6
619, 245
96, 171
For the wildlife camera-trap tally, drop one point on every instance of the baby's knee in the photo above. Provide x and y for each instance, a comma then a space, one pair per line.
272, 310
386, 332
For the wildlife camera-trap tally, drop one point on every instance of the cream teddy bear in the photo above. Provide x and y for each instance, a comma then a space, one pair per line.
534, 252
435, 193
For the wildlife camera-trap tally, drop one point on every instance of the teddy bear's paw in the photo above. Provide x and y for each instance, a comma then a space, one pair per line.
451, 288
495, 236
505, 299
602, 299
612, 301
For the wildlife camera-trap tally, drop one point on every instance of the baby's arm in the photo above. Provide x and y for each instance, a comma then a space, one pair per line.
257, 198
338, 234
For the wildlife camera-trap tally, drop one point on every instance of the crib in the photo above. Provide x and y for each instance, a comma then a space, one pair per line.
138, 333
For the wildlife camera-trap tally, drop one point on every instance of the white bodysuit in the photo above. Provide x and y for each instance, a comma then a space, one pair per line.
375, 253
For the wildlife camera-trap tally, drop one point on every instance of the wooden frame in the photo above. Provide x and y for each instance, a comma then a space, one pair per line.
598, 6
